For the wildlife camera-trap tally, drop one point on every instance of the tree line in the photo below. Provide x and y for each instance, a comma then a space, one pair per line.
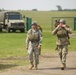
60, 9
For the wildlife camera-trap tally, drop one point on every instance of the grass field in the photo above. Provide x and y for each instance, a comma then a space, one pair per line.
13, 44
44, 18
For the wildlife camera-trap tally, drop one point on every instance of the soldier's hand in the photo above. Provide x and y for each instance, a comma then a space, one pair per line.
26, 47
39, 46
64, 26
58, 26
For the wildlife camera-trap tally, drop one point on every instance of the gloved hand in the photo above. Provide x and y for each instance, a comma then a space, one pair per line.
26, 47
39, 46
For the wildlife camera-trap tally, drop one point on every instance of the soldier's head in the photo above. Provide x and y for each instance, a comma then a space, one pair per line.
34, 25
62, 21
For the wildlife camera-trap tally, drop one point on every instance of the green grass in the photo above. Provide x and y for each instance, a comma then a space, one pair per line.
72, 46
44, 18
12, 44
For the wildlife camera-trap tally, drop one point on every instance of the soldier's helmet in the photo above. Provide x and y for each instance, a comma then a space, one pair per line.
34, 23
62, 20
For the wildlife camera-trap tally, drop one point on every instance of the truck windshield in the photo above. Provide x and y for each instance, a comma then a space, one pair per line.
15, 17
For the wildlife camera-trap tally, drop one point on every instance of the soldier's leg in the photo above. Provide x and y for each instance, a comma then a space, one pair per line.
68, 42
60, 52
40, 51
31, 57
56, 47
31, 60
36, 53
64, 53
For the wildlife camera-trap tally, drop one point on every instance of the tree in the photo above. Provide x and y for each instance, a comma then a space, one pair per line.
59, 8
0, 10
34, 10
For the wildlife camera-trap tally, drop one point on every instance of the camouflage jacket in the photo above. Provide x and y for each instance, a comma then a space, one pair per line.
37, 33
64, 39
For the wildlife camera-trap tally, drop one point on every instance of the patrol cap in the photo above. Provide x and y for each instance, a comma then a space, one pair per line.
34, 23
62, 20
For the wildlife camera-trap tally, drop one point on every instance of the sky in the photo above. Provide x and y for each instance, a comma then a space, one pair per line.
44, 5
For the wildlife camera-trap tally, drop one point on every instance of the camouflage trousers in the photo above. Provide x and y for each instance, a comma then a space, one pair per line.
33, 52
40, 51
63, 51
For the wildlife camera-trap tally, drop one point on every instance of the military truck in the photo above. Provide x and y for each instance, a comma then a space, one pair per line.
11, 20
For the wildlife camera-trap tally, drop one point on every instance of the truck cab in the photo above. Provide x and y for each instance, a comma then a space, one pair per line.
13, 21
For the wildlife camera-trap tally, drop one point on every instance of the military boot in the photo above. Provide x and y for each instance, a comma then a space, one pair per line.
36, 67
31, 66
63, 66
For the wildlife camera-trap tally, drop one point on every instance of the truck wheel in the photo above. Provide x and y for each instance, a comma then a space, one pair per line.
14, 30
7, 29
22, 30
0, 29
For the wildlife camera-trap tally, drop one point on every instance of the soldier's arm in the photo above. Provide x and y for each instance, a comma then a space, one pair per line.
55, 30
68, 29
40, 38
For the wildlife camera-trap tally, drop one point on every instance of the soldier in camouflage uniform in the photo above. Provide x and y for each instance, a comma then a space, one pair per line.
33, 44
63, 41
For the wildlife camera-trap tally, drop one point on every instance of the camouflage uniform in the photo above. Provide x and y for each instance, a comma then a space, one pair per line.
33, 46
62, 42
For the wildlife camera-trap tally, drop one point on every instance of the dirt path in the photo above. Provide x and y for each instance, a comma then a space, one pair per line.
49, 65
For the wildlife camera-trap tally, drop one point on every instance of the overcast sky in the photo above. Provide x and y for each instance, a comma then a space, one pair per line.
36, 4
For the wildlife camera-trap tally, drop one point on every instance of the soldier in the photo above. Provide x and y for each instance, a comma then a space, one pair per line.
33, 44
63, 41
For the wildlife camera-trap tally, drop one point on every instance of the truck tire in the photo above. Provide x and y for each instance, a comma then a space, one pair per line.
13, 30
0, 29
7, 29
22, 30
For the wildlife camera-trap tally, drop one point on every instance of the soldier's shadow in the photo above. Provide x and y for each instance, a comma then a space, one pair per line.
55, 68
7, 66
70, 68
58, 68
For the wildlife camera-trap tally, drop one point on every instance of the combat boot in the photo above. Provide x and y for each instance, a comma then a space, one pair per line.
63, 66
31, 66
36, 67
